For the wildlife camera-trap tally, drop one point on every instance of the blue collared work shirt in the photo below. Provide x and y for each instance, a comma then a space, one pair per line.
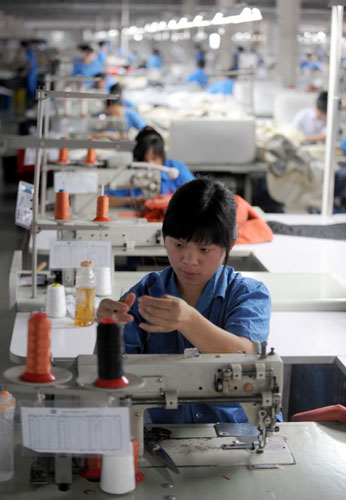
234, 303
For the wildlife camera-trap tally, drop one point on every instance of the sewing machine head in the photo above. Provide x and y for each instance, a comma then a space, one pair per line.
254, 380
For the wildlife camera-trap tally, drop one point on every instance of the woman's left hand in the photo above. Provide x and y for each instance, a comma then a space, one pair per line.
164, 314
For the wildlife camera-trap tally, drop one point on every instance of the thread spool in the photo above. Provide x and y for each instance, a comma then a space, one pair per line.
103, 281
118, 474
91, 155
38, 366
62, 205
139, 476
102, 208
109, 355
55, 301
63, 153
92, 468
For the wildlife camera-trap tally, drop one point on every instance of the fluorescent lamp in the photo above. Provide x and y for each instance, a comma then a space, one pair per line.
214, 41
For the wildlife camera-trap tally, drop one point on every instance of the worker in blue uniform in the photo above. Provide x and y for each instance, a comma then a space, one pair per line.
150, 148
31, 70
104, 83
117, 88
223, 86
88, 65
102, 54
115, 108
198, 301
154, 60
199, 75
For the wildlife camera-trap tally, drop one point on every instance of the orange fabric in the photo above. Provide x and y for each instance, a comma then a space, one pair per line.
325, 414
251, 227
155, 208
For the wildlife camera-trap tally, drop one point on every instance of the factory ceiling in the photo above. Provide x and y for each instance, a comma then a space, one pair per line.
91, 10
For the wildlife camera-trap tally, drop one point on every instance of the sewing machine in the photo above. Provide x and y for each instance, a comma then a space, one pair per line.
254, 380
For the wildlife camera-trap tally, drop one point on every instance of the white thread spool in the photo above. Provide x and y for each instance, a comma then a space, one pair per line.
118, 473
103, 281
56, 301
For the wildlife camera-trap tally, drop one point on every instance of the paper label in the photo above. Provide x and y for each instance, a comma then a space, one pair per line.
69, 254
25, 196
76, 430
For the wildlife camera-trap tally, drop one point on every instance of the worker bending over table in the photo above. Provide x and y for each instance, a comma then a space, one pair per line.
150, 148
115, 108
198, 301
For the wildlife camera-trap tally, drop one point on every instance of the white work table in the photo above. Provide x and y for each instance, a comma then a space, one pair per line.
318, 473
298, 336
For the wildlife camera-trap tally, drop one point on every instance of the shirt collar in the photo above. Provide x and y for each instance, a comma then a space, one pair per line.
216, 287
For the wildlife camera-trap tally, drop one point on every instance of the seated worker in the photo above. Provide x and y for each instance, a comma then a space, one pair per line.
105, 83
116, 88
88, 65
150, 148
102, 53
199, 76
154, 60
116, 109
312, 121
198, 301
223, 86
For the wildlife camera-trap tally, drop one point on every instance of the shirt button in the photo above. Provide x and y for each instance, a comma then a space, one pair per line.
198, 415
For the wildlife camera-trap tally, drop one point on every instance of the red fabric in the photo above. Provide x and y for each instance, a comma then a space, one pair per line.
21, 168
325, 414
251, 227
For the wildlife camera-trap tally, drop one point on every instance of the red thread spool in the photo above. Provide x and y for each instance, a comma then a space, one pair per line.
63, 153
92, 468
62, 205
91, 155
139, 476
102, 208
38, 366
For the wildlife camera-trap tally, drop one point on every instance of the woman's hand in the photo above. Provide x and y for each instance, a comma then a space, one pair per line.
108, 308
164, 314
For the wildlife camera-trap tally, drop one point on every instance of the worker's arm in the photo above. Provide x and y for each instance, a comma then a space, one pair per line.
107, 135
169, 313
314, 138
136, 202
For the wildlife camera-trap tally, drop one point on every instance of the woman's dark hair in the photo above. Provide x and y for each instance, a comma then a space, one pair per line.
202, 211
116, 88
116, 100
148, 138
322, 101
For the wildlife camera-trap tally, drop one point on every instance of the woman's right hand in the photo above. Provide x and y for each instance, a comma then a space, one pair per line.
108, 308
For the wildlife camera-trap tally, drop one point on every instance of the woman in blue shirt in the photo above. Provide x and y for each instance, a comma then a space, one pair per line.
199, 75
150, 148
115, 108
198, 301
